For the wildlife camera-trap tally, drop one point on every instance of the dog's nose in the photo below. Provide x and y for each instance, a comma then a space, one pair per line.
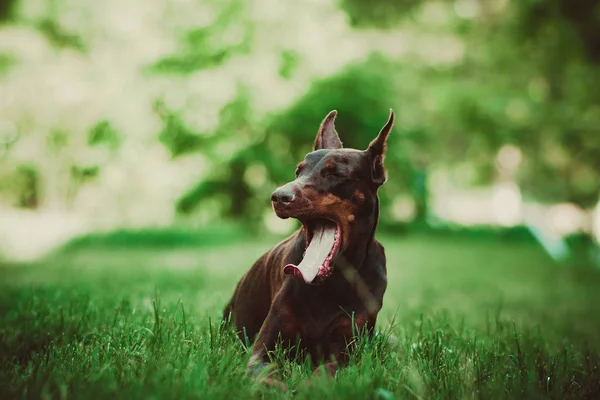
283, 195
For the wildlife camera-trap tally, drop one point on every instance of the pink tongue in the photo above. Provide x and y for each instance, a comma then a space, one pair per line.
319, 248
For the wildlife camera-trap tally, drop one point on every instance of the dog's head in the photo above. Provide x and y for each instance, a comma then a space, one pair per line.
333, 188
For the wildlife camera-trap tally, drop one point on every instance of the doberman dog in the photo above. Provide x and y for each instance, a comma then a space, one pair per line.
325, 282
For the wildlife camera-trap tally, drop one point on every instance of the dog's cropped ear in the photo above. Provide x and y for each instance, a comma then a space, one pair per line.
327, 137
377, 149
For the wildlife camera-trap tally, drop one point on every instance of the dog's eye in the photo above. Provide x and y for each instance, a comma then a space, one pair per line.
298, 170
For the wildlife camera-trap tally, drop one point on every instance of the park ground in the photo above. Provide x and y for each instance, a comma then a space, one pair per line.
474, 318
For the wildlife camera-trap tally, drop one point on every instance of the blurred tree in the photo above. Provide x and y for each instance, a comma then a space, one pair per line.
529, 77
288, 64
231, 150
561, 41
7, 9
243, 179
380, 13
47, 23
58, 36
175, 136
26, 182
229, 34
229, 146
7, 61
103, 133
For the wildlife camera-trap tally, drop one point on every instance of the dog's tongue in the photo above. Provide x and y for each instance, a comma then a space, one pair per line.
319, 248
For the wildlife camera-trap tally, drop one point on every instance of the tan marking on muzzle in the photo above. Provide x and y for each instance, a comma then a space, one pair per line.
360, 197
333, 205
328, 200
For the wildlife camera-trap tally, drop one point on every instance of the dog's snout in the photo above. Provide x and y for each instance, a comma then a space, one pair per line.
283, 195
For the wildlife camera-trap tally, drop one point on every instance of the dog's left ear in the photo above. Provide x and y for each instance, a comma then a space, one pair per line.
377, 149
327, 137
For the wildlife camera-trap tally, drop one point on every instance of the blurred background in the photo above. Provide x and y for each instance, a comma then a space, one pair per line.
185, 115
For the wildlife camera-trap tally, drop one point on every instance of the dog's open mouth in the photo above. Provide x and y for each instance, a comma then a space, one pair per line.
323, 244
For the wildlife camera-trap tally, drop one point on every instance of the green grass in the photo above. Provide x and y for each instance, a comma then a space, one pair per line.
157, 238
473, 319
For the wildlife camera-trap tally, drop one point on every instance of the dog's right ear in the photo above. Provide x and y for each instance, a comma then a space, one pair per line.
376, 152
327, 137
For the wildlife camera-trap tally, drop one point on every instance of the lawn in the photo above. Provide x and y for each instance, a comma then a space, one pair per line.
472, 318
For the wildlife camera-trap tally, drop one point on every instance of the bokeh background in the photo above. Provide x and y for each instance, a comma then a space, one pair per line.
154, 114
159, 120
140, 142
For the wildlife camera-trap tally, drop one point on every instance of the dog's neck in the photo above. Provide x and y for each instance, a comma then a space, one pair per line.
361, 237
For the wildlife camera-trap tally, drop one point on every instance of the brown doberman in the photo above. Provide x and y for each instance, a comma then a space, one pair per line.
326, 281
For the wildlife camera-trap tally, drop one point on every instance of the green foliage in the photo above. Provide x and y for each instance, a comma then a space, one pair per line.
381, 13
7, 61
233, 150
142, 324
451, 116
362, 93
230, 34
175, 136
289, 64
103, 133
7, 8
58, 36
527, 78
26, 183
556, 120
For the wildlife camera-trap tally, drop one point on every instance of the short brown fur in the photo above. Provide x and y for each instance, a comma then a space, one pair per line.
268, 305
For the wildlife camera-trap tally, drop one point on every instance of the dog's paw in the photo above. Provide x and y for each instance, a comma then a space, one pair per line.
392, 342
271, 382
323, 371
265, 375
329, 369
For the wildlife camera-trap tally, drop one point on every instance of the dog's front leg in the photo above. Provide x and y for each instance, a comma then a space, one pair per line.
276, 327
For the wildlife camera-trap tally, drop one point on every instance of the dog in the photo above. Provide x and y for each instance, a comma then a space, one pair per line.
316, 289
